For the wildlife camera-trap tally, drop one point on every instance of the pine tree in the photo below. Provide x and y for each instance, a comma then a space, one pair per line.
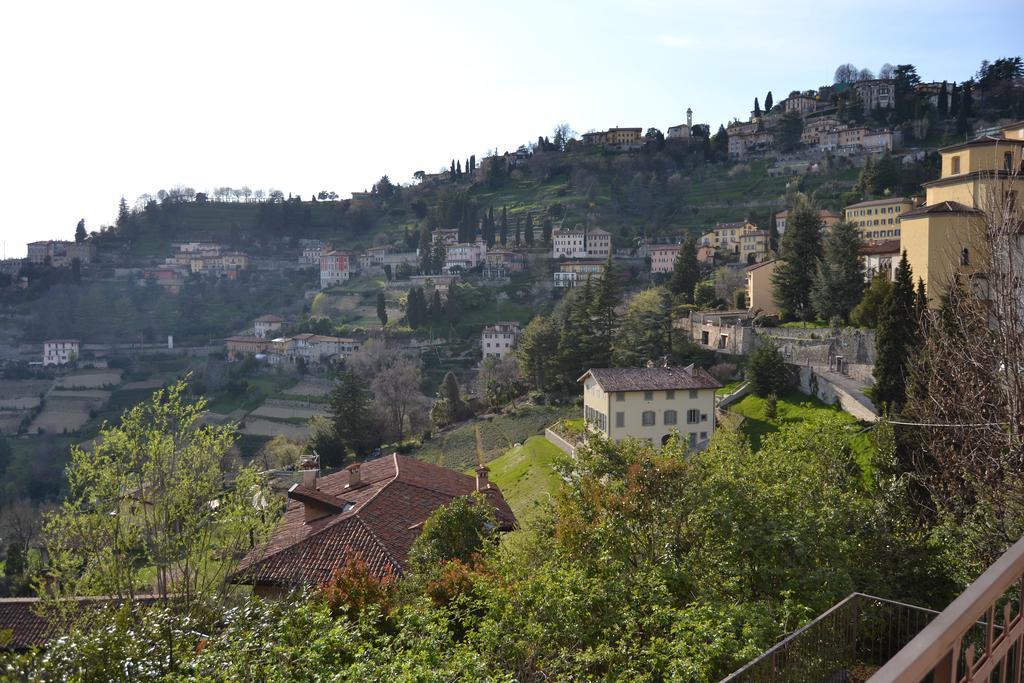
80, 233
602, 309
896, 338
529, 229
575, 343
534, 352
921, 307
799, 254
943, 104
123, 215
685, 271
768, 102
382, 310
839, 282
503, 235
352, 414
426, 257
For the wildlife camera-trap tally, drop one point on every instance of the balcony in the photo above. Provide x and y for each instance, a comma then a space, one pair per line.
978, 637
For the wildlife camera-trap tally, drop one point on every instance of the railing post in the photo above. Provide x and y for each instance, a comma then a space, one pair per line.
945, 670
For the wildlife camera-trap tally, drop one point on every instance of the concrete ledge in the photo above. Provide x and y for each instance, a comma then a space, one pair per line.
560, 442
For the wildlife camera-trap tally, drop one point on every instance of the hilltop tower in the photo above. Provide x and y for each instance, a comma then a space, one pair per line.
689, 118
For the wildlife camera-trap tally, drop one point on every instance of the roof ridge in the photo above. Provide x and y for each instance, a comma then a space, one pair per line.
376, 539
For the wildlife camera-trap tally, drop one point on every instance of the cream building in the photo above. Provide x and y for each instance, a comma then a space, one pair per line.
754, 246
663, 257
878, 219
499, 339
580, 243
651, 403
60, 351
760, 291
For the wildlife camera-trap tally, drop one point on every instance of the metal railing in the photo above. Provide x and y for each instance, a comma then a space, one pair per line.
979, 637
858, 634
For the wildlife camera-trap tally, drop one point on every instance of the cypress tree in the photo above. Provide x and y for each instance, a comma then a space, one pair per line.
546, 231
685, 271
382, 310
839, 282
897, 336
450, 393
757, 108
503, 235
943, 104
768, 102
436, 307
954, 101
519, 240
80, 233
529, 229
799, 254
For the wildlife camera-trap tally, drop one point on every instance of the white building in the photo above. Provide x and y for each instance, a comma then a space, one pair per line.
651, 403
499, 339
580, 243
311, 253
60, 351
464, 256
663, 257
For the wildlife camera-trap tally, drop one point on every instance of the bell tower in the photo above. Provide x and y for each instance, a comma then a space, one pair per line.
689, 118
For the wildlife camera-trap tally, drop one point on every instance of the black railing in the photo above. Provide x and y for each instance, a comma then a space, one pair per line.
846, 643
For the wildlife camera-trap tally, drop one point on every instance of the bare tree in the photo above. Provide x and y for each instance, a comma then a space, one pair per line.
561, 135
966, 389
845, 73
396, 393
886, 72
865, 75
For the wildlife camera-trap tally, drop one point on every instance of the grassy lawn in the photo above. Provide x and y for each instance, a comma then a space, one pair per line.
456, 448
527, 477
794, 407
817, 324
729, 387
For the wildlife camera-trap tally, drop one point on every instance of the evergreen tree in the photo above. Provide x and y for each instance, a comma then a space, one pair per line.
773, 233
452, 173
458, 169
352, 413
646, 330
436, 311
954, 101
438, 258
382, 310
123, 215
454, 407
602, 309
534, 348
529, 229
767, 371
80, 233
768, 102
943, 104
757, 108
425, 252
413, 309
519, 241
685, 271
576, 342
799, 254
866, 182
921, 307
503, 235
839, 282
896, 338
546, 231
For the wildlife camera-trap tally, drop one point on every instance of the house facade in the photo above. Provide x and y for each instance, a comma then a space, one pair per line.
335, 268
265, 325
760, 291
60, 351
650, 403
573, 273
663, 257
241, 346
754, 246
498, 340
878, 219
501, 263
880, 258
464, 256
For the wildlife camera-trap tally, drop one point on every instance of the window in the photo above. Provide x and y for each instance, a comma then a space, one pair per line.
703, 417
704, 337
692, 416
670, 395
694, 393
1007, 161
648, 418
955, 164
703, 436
965, 257
671, 417
648, 395
620, 396
620, 419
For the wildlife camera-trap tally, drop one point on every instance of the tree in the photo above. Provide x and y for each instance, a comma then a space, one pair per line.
768, 102
279, 452
529, 229
450, 407
426, 260
352, 417
704, 295
845, 73
602, 309
534, 352
396, 392
80, 233
123, 214
943, 103
800, 250
382, 310
757, 108
839, 282
895, 339
498, 381
685, 271
561, 136
789, 131
546, 230
456, 531
141, 500
885, 73
767, 371
865, 314
503, 233
646, 330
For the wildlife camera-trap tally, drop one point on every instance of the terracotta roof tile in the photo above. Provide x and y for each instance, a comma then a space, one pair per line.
652, 379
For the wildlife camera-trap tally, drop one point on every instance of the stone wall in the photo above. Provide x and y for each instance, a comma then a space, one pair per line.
816, 384
820, 345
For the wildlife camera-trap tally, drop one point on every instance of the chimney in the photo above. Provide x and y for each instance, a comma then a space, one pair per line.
309, 477
481, 478
355, 477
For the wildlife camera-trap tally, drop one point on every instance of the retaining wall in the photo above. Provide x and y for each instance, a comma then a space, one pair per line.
816, 384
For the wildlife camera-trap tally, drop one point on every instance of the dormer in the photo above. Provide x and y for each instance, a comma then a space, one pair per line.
317, 504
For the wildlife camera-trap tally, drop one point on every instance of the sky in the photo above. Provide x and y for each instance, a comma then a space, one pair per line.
100, 100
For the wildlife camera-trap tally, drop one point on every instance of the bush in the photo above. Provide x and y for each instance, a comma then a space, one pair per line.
767, 371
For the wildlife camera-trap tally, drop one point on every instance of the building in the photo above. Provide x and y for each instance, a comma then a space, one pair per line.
372, 511
876, 94
706, 254
240, 346
726, 237
445, 236
464, 256
265, 324
720, 331
61, 253
580, 243
617, 139
880, 258
882, 140
651, 403
311, 251
755, 246
320, 348
760, 294
499, 264
578, 271
663, 257
499, 339
828, 219
878, 219
802, 103
335, 267
60, 351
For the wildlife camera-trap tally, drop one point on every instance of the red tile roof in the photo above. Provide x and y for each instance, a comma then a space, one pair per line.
379, 519
652, 379
26, 629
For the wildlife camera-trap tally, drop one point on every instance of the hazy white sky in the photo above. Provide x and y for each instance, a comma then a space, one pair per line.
104, 99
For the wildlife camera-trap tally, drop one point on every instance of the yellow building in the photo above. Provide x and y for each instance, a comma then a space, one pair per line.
651, 403
754, 246
945, 235
760, 296
878, 219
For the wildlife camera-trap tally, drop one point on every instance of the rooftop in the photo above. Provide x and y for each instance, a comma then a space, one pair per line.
941, 207
270, 318
878, 202
378, 517
884, 247
652, 379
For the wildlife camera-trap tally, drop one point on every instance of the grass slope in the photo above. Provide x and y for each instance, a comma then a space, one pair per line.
526, 476
793, 407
